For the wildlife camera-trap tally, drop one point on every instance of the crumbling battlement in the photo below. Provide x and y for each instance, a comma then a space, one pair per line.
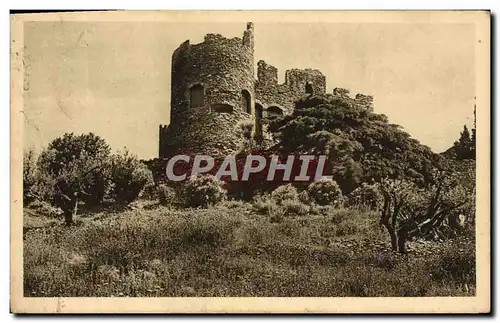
359, 100
297, 84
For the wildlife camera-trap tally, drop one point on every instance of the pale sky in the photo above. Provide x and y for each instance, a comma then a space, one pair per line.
113, 78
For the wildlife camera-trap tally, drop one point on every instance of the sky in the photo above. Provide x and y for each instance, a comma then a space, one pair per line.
113, 78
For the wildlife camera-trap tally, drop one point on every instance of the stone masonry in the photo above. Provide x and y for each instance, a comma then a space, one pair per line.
214, 91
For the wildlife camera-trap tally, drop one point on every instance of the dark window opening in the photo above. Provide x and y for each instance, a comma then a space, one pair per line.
247, 101
309, 88
222, 108
274, 111
196, 96
258, 119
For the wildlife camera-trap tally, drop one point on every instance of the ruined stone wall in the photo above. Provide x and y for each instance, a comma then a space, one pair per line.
224, 68
269, 93
360, 100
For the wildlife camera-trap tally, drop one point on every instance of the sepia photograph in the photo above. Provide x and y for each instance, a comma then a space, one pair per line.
238, 162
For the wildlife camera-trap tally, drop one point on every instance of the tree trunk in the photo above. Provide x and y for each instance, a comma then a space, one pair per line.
68, 217
75, 207
70, 212
402, 237
402, 244
393, 235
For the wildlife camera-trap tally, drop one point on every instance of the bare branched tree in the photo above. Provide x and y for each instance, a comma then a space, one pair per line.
409, 212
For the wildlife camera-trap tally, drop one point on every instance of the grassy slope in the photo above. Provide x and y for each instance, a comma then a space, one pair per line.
231, 251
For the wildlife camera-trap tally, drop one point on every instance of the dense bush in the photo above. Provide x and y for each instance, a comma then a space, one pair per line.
37, 184
366, 195
42, 188
245, 128
324, 192
29, 172
283, 193
128, 177
167, 195
288, 208
45, 208
284, 201
262, 203
204, 191
457, 262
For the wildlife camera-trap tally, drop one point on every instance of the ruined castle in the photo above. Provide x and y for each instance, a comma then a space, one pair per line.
214, 90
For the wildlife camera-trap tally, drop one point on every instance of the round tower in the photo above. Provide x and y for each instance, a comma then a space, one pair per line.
212, 92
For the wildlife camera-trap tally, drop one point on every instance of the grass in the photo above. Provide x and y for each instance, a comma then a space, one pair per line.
233, 250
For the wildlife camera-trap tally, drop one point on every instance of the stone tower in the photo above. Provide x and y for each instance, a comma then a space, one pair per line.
212, 92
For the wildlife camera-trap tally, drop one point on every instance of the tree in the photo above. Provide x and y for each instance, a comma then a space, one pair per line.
409, 212
465, 146
70, 186
361, 146
76, 165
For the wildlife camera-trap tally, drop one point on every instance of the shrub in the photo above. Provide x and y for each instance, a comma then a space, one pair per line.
457, 262
283, 193
245, 128
276, 214
294, 208
204, 191
380, 260
338, 216
252, 234
325, 192
324, 210
234, 204
287, 208
128, 176
347, 227
167, 195
39, 186
366, 196
44, 208
29, 169
304, 197
262, 204
150, 192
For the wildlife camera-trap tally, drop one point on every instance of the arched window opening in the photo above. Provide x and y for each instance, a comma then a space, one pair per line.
247, 101
274, 111
196, 96
222, 108
258, 119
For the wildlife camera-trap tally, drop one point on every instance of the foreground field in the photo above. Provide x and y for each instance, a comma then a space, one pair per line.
230, 250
